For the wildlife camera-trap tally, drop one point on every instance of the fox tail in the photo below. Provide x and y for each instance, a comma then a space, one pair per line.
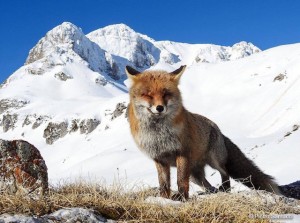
242, 169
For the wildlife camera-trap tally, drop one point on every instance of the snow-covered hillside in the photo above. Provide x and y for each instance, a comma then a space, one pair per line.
69, 100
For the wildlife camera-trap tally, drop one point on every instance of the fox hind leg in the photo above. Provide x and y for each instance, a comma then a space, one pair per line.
225, 182
225, 177
219, 164
198, 177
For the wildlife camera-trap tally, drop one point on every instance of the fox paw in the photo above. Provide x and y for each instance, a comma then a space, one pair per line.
179, 197
210, 190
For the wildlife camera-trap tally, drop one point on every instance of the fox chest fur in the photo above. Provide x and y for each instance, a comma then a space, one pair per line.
158, 138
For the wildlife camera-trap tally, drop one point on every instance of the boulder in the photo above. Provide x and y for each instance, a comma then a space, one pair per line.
22, 168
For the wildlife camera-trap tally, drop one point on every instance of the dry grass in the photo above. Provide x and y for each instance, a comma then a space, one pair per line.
114, 203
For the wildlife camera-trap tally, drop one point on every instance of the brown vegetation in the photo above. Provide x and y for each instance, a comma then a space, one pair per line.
115, 203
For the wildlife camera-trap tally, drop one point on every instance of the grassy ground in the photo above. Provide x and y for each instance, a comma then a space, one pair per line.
131, 207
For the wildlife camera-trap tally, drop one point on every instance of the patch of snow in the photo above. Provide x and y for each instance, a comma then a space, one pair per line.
162, 201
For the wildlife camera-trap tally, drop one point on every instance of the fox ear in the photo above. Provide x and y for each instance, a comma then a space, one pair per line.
177, 73
131, 72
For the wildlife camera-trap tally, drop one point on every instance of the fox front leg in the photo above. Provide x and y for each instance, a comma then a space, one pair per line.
183, 175
163, 171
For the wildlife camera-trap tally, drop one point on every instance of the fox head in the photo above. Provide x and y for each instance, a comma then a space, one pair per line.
155, 93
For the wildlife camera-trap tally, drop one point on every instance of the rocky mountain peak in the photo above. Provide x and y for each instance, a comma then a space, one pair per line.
243, 49
67, 43
63, 35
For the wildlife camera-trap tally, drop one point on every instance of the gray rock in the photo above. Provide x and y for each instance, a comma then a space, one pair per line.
77, 215
6, 104
54, 131
68, 215
35, 71
4, 83
27, 121
19, 218
88, 125
101, 81
280, 77
74, 126
35, 54
38, 122
201, 60
168, 57
9, 121
120, 107
62, 76
295, 127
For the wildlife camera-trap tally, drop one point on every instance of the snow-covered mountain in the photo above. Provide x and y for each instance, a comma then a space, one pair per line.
69, 100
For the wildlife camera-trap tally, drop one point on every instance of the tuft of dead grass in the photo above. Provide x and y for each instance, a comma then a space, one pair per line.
119, 204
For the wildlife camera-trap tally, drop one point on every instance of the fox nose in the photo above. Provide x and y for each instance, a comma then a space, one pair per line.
159, 108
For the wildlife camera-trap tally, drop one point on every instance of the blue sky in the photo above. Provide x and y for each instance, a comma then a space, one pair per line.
265, 23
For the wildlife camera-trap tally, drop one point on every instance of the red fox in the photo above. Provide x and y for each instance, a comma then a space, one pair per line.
172, 136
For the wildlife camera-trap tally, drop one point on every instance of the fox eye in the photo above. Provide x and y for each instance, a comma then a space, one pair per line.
147, 96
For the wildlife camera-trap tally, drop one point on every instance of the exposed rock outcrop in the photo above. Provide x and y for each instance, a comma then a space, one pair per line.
62, 76
22, 168
280, 77
62, 215
120, 107
74, 125
39, 120
6, 104
88, 125
101, 81
35, 71
35, 120
54, 131
27, 121
8, 121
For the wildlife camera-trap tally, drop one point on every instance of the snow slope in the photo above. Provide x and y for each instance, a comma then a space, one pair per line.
71, 79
